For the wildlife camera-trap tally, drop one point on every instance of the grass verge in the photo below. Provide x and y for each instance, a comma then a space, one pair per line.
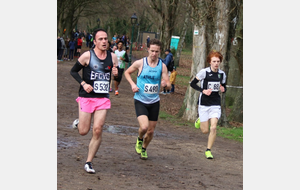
233, 133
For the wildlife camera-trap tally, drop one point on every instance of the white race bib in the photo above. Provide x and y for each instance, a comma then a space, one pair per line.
151, 88
101, 86
214, 86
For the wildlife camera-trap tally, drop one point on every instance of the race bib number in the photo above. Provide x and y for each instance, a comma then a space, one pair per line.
214, 86
101, 86
151, 88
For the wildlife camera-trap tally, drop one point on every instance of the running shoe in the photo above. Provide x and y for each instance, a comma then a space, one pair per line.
110, 89
75, 124
138, 146
208, 154
116, 93
144, 155
197, 123
89, 168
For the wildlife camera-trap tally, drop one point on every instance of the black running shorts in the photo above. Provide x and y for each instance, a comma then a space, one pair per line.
150, 110
120, 74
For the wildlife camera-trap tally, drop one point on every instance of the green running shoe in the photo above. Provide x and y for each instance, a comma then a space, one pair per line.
208, 154
138, 146
197, 123
144, 155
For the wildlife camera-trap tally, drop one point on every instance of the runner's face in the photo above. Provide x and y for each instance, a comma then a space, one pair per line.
120, 45
101, 40
214, 63
154, 52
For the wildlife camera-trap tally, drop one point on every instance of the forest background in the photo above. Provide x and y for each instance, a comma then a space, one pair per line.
202, 26
268, 44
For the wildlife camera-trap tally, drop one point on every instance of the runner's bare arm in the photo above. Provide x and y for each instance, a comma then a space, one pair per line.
115, 63
136, 66
165, 82
84, 59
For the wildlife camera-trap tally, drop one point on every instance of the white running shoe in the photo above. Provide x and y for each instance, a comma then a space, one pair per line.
88, 168
75, 124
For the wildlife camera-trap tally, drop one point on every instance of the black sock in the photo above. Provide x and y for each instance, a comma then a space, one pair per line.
207, 149
140, 139
143, 149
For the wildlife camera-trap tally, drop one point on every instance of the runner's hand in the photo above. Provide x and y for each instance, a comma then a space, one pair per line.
207, 92
222, 88
115, 71
134, 88
163, 83
88, 88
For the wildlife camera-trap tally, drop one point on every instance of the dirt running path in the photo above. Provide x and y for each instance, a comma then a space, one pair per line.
176, 153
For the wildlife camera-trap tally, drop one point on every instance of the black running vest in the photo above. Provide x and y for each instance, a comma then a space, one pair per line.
98, 75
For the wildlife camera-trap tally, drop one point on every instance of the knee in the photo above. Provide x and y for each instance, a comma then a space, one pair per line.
97, 132
204, 127
143, 128
204, 130
83, 132
213, 129
150, 133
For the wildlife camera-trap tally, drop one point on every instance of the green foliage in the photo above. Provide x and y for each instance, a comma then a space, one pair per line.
182, 80
173, 51
165, 116
235, 133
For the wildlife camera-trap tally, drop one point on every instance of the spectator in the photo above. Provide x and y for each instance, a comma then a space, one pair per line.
148, 40
67, 47
72, 48
88, 39
167, 61
172, 79
79, 44
114, 39
62, 47
58, 46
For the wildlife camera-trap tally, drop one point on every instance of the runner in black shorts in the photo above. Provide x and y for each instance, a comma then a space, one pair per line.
151, 110
152, 74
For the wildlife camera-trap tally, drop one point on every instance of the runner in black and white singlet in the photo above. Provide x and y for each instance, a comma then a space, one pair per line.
152, 74
98, 75
97, 64
212, 80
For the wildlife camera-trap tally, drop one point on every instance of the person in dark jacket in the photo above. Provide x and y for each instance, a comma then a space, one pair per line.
72, 48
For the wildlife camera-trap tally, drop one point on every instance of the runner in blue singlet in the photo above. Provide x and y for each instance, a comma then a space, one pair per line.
152, 75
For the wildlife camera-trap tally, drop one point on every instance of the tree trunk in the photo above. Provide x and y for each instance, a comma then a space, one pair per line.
222, 25
182, 35
198, 63
235, 80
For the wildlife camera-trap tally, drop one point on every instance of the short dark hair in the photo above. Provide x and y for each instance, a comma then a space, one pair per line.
120, 42
155, 41
97, 30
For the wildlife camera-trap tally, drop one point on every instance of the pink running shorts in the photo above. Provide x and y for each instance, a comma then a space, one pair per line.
93, 104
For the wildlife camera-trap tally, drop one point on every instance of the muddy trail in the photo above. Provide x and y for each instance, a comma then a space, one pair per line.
175, 155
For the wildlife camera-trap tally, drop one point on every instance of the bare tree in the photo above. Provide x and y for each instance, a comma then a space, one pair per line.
167, 12
187, 7
211, 32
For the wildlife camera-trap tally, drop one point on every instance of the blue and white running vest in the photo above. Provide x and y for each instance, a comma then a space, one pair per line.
148, 83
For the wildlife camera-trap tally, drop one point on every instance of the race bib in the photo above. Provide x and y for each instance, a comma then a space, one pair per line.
101, 86
214, 86
151, 88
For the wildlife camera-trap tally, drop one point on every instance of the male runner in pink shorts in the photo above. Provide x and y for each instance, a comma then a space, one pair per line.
97, 64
